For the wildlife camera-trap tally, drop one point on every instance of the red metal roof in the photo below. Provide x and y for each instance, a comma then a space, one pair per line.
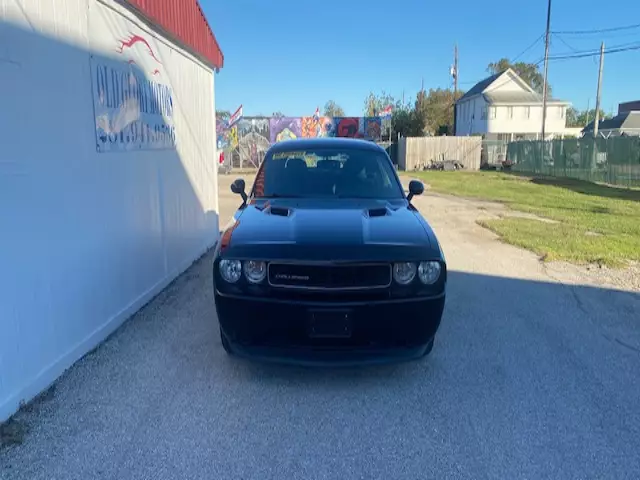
185, 22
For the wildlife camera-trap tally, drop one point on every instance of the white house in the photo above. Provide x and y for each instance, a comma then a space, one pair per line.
504, 107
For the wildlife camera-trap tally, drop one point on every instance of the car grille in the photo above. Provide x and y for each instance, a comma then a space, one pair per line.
334, 277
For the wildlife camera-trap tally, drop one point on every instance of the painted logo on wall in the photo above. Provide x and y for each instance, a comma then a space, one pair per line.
131, 42
133, 103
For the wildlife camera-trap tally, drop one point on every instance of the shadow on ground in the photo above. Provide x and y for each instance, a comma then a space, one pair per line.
527, 379
585, 187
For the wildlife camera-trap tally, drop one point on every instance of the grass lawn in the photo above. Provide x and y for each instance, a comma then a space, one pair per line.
596, 223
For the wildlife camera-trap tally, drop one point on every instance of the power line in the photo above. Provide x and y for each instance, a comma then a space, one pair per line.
596, 50
599, 30
624, 47
535, 42
592, 53
513, 60
574, 50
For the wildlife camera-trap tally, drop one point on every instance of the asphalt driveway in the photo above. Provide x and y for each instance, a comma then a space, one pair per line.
534, 375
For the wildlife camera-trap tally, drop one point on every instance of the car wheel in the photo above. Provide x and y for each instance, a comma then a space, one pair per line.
225, 343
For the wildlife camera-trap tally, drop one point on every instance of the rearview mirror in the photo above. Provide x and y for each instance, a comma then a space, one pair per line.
415, 188
238, 188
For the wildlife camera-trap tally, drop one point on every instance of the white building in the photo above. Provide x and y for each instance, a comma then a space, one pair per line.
108, 180
625, 123
503, 107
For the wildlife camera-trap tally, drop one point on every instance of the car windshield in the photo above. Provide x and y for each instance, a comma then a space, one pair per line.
328, 172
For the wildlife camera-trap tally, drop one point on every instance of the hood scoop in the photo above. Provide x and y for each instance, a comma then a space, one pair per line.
377, 212
277, 211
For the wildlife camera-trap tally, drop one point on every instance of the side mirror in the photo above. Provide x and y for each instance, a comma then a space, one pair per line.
238, 187
415, 188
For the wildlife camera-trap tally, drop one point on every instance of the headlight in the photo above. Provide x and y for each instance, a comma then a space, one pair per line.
429, 272
230, 270
255, 271
404, 273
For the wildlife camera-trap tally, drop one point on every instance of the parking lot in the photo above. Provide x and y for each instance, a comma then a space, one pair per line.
534, 374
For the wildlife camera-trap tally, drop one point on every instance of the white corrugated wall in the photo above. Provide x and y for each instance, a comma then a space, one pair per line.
93, 225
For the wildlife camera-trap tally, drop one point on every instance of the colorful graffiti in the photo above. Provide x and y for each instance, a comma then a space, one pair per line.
317, 127
252, 136
285, 128
348, 127
253, 140
232, 135
372, 127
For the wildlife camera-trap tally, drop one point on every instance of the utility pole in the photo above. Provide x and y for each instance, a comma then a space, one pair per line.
546, 71
455, 72
597, 117
455, 85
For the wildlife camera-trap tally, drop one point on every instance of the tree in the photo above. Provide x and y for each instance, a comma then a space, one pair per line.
572, 117
224, 114
576, 118
529, 72
332, 109
406, 121
436, 109
374, 104
278, 114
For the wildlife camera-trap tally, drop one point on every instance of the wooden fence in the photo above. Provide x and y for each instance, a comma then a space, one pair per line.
416, 153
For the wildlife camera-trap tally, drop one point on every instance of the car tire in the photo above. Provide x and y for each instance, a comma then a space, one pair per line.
225, 343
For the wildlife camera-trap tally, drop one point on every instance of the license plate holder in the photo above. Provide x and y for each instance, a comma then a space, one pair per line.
329, 324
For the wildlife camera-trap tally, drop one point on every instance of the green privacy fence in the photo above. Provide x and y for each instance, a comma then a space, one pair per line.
613, 160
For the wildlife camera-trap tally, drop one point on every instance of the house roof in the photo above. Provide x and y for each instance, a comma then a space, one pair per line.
526, 95
627, 120
517, 97
480, 87
184, 22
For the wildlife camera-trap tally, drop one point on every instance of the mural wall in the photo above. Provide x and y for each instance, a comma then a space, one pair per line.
253, 141
250, 138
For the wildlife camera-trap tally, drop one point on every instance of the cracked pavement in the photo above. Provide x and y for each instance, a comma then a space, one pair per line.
534, 374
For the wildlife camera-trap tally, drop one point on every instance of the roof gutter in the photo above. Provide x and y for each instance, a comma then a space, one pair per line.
530, 103
464, 99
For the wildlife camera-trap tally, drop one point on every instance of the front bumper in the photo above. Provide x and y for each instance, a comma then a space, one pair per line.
283, 330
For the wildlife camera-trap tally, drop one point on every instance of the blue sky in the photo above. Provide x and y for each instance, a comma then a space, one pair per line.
291, 56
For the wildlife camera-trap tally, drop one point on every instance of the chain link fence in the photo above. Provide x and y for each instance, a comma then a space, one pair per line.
614, 160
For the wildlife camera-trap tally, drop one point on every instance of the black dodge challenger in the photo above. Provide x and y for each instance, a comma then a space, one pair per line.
327, 261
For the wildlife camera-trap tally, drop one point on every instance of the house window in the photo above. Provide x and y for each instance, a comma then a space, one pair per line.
510, 112
527, 112
483, 114
492, 112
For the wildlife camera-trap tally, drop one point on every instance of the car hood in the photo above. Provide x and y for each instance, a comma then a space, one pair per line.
351, 225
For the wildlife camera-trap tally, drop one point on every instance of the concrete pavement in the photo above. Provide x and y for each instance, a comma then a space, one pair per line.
534, 375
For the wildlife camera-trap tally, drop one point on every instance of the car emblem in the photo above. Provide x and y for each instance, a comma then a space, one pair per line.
285, 276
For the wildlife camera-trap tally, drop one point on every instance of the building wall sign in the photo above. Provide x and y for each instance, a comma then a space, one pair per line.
133, 104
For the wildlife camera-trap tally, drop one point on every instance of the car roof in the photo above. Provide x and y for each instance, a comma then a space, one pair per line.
327, 142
